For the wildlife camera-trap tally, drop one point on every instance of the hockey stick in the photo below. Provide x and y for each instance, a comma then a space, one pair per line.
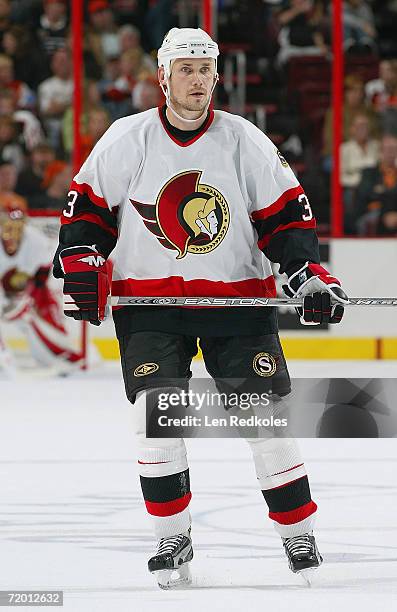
231, 301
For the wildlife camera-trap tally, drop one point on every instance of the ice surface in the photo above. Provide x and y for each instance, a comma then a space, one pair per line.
72, 518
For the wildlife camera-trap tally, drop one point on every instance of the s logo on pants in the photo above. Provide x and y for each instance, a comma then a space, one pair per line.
264, 364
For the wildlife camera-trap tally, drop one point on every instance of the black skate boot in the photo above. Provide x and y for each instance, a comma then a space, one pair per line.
303, 555
170, 564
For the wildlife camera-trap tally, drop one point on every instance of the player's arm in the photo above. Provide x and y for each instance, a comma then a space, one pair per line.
88, 235
286, 235
89, 231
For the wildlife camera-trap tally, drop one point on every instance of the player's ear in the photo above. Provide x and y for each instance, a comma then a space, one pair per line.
161, 75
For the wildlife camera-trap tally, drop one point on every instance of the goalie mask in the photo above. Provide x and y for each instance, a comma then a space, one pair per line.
186, 43
12, 223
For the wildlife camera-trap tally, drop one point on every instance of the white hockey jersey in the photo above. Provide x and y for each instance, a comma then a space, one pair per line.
189, 218
33, 253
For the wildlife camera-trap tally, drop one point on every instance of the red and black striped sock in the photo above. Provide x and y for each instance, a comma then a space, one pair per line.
290, 503
166, 495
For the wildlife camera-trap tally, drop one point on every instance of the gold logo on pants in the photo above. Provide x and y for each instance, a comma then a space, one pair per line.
146, 368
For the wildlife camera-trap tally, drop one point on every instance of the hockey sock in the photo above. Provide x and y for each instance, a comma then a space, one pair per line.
164, 475
282, 477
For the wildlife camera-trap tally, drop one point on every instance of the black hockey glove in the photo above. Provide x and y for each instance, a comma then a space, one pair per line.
323, 297
86, 284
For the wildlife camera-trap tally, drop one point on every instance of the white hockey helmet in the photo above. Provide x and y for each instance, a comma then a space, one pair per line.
181, 43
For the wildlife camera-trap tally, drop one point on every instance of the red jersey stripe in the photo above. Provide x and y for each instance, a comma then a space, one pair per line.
91, 218
177, 286
302, 224
278, 205
87, 189
168, 508
294, 516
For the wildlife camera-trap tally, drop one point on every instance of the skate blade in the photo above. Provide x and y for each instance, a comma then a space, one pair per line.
307, 575
173, 578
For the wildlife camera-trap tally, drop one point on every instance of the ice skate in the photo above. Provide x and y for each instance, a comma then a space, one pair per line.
303, 555
170, 564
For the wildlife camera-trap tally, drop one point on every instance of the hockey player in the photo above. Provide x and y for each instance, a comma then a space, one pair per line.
25, 298
188, 200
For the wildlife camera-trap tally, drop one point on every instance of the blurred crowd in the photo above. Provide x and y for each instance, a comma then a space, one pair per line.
119, 47
369, 153
36, 86
290, 45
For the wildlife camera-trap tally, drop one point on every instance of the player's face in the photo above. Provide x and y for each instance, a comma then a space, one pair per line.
191, 83
11, 232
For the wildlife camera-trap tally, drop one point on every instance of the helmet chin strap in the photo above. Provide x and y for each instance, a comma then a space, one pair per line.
166, 92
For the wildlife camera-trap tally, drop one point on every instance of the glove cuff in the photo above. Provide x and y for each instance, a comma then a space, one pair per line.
80, 259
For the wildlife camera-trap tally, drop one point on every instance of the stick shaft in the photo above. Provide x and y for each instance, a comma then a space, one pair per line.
221, 302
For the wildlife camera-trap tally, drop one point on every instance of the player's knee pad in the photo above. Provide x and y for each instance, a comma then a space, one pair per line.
167, 454
277, 461
145, 403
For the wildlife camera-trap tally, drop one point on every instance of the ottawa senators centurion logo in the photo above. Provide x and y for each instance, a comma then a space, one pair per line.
188, 216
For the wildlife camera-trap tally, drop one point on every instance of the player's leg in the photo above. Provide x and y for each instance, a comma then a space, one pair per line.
257, 362
39, 318
7, 363
155, 363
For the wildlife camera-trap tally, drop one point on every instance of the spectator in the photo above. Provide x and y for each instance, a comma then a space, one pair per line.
377, 186
92, 69
159, 19
384, 96
132, 70
358, 25
29, 62
300, 33
8, 179
146, 94
56, 182
102, 31
91, 99
116, 99
24, 96
10, 149
353, 104
24, 11
30, 131
387, 225
130, 11
53, 26
130, 38
55, 95
382, 92
5, 20
98, 123
7, 105
359, 152
30, 180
